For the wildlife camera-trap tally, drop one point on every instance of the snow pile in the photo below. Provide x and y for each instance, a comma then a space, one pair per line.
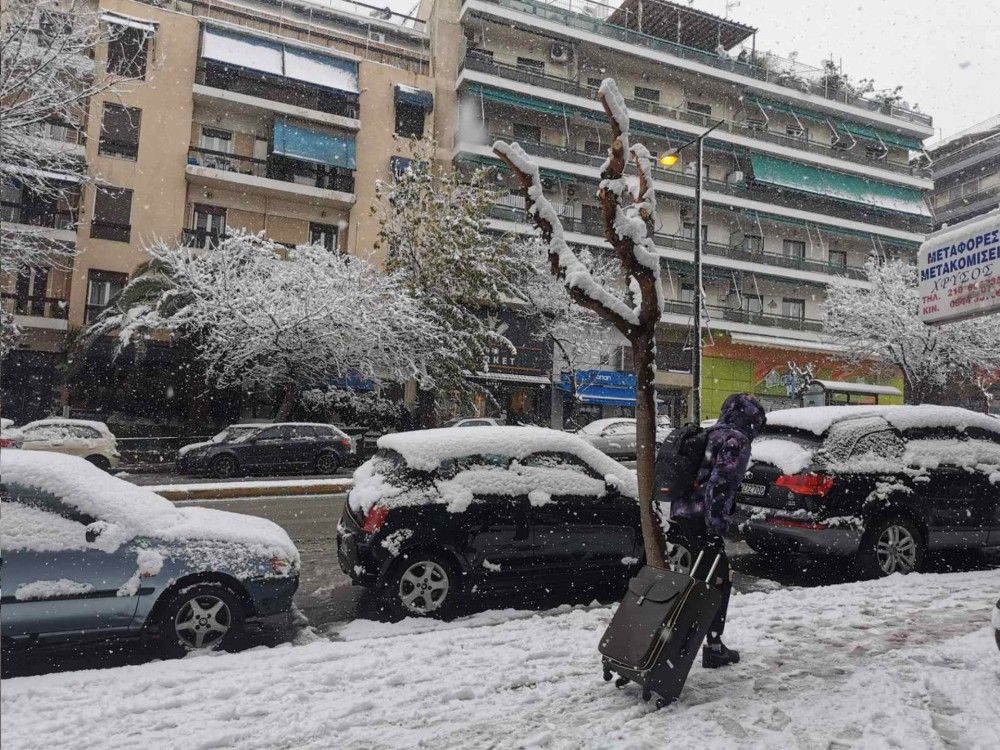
787, 455
50, 589
902, 662
124, 511
818, 419
148, 563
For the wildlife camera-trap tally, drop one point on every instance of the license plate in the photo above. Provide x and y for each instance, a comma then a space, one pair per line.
754, 490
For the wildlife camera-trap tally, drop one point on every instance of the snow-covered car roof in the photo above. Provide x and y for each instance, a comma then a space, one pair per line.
425, 450
5, 423
136, 511
819, 419
66, 422
599, 424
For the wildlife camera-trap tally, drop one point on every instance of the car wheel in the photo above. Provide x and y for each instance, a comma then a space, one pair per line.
202, 617
327, 463
224, 467
100, 462
422, 585
890, 545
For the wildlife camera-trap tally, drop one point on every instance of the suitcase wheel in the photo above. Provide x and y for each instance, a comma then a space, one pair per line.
661, 702
646, 695
607, 675
621, 682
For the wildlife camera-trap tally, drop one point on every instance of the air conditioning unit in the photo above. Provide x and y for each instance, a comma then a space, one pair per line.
376, 36
560, 52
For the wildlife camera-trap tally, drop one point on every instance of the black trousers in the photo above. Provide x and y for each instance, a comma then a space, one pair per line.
696, 537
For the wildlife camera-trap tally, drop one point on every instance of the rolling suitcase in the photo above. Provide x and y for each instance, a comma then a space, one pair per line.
658, 628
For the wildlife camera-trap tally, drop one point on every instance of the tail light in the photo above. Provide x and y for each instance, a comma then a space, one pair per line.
374, 519
345, 443
6, 442
806, 484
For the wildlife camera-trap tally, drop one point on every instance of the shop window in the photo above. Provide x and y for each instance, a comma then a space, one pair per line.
120, 131
112, 219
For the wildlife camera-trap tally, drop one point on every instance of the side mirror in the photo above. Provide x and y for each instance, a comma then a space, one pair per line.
610, 488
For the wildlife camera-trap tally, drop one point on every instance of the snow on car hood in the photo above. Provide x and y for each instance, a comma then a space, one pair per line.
192, 446
818, 419
134, 511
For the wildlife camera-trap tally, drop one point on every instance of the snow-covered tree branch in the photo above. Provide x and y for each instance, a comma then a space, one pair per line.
883, 324
275, 326
629, 209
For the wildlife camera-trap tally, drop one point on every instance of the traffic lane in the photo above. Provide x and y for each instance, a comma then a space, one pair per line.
166, 477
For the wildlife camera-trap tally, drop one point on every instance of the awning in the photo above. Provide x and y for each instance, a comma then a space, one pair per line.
120, 19
414, 97
871, 134
301, 142
510, 377
777, 106
837, 185
516, 100
275, 58
837, 386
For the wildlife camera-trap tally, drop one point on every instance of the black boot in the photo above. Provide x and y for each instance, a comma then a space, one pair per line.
718, 656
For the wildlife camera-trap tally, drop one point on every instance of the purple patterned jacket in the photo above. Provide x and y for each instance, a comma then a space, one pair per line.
726, 457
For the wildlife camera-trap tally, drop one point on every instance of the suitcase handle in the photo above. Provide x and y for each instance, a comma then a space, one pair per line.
711, 571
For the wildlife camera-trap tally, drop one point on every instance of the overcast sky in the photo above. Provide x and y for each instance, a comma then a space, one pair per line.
943, 52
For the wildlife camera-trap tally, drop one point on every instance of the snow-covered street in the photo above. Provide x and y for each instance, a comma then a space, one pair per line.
902, 662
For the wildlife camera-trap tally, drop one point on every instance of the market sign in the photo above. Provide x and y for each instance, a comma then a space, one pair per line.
960, 271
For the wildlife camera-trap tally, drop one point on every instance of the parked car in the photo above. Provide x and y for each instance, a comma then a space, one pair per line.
87, 556
883, 485
471, 422
440, 515
615, 436
10, 436
270, 448
73, 437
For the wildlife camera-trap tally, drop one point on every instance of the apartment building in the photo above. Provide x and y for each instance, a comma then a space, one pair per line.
265, 115
804, 179
966, 172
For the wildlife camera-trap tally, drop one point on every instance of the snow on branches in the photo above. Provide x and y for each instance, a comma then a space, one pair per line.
277, 325
883, 323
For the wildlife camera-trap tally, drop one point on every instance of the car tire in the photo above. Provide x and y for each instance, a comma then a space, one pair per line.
890, 545
100, 462
224, 467
327, 463
421, 584
200, 617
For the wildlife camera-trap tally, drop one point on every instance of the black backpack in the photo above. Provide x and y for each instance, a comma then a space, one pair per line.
678, 461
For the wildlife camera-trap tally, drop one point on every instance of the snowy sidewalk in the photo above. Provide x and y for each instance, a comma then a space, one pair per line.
907, 662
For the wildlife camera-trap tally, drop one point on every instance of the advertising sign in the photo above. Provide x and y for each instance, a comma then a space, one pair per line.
960, 271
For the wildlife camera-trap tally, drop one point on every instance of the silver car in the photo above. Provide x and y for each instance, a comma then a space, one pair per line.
90, 556
615, 436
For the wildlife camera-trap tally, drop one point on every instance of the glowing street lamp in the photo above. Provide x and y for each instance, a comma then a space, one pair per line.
669, 158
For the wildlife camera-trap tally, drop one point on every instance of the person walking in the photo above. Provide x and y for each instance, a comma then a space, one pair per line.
700, 518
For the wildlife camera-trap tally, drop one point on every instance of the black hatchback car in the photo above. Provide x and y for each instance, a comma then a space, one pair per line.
439, 515
883, 485
268, 448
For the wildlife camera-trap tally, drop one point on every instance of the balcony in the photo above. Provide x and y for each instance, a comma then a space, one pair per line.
716, 314
735, 127
686, 244
54, 309
277, 175
820, 205
208, 239
37, 215
753, 66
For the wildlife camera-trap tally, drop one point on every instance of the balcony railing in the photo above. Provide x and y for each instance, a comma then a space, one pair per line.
716, 313
36, 215
751, 68
680, 242
110, 230
35, 306
208, 239
275, 89
737, 127
275, 167
801, 201
968, 200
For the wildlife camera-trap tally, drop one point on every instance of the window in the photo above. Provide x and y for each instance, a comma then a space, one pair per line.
595, 148
53, 26
480, 53
527, 133
687, 293
112, 218
753, 303
756, 126
838, 258
794, 131
687, 232
102, 287
700, 109
794, 249
531, 65
649, 95
793, 308
955, 193
216, 144
303, 432
325, 235
209, 225
594, 83
409, 120
593, 218
127, 53
120, 131
875, 151
30, 288
281, 432
753, 243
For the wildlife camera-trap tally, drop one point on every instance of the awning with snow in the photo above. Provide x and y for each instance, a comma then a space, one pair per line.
275, 58
781, 173
414, 97
310, 144
129, 22
871, 134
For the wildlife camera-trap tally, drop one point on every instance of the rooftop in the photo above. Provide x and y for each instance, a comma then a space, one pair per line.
681, 24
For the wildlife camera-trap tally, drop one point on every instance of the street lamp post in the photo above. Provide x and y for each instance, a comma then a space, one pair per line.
667, 160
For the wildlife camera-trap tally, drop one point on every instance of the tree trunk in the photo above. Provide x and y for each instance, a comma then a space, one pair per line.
287, 404
645, 448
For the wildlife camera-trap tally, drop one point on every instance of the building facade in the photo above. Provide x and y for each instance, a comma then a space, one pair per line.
264, 115
966, 172
804, 178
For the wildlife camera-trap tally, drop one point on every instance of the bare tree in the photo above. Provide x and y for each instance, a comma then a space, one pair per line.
629, 210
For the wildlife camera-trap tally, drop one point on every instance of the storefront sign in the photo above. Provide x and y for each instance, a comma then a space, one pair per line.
531, 355
960, 271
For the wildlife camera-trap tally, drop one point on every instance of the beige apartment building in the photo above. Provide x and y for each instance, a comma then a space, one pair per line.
265, 115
